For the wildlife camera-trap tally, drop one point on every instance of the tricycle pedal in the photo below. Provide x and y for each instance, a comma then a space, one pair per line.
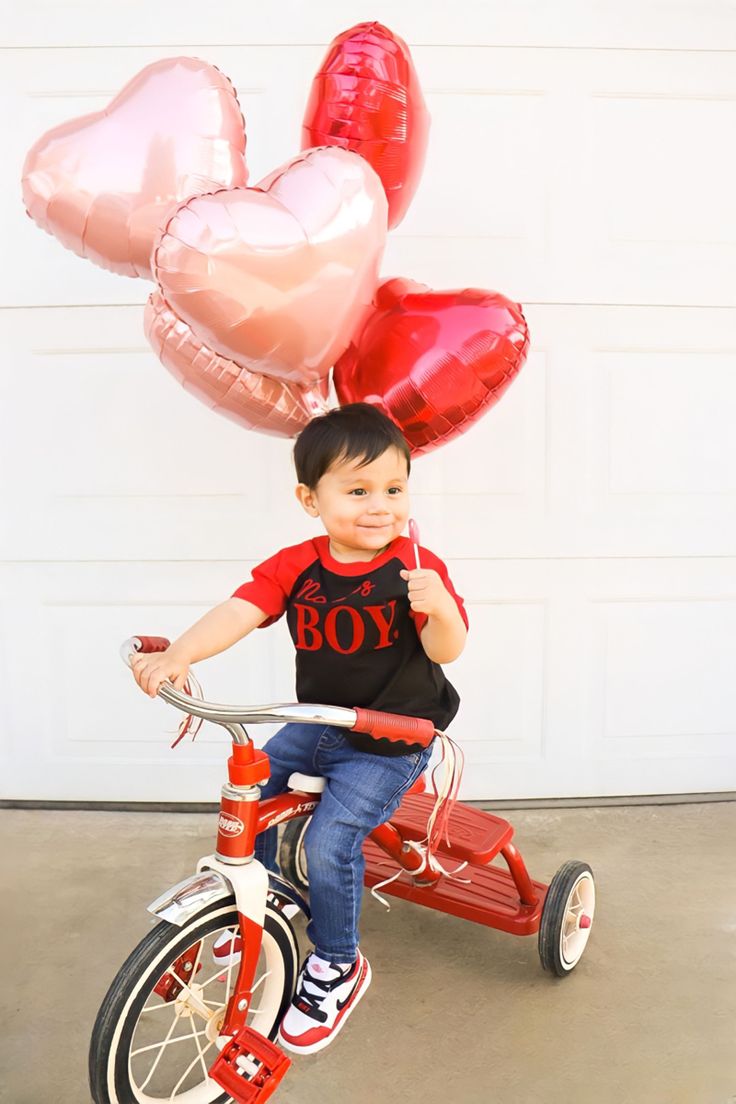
250, 1067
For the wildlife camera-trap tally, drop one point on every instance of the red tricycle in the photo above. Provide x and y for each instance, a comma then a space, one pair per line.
192, 1014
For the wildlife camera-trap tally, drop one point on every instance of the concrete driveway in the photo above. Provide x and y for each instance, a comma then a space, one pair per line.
456, 1012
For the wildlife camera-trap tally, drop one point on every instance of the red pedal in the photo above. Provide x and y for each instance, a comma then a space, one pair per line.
250, 1067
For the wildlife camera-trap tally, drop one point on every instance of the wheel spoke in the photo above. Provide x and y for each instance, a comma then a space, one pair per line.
169, 1042
571, 932
157, 1007
192, 1000
202, 1052
185, 1074
195, 964
220, 970
229, 973
260, 981
217, 974
163, 1046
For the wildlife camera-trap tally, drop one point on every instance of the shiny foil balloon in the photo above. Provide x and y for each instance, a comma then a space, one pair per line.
247, 398
366, 97
104, 183
434, 361
279, 277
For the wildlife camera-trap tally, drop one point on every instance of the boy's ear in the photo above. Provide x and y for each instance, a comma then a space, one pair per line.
306, 497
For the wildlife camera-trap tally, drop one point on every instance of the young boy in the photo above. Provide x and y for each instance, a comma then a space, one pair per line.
370, 629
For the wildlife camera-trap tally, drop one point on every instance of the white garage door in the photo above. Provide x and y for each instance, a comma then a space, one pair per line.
580, 162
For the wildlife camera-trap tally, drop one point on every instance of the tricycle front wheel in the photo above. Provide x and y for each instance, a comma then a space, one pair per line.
156, 1033
567, 917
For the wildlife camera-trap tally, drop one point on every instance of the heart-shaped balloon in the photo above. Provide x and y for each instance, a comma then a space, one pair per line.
247, 398
279, 277
434, 361
104, 183
366, 97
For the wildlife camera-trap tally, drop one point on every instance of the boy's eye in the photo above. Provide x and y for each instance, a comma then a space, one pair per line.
357, 491
394, 490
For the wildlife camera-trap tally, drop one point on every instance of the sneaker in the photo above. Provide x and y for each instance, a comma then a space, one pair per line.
326, 994
227, 948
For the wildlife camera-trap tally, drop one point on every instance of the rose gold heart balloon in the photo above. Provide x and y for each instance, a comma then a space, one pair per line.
247, 398
434, 361
279, 277
104, 183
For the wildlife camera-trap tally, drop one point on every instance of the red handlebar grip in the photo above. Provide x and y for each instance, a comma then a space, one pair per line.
153, 643
394, 727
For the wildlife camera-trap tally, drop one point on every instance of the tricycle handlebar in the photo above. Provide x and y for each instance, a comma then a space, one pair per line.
390, 726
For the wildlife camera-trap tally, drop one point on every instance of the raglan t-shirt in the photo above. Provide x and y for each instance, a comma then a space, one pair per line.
356, 636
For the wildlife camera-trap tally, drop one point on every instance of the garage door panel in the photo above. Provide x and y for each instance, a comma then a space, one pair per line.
635, 671
614, 440
80, 727
666, 686
579, 678
543, 178
666, 24
668, 425
502, 681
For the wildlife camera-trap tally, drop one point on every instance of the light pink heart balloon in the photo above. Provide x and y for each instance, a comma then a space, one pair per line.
251, 400
104, 183
279, 277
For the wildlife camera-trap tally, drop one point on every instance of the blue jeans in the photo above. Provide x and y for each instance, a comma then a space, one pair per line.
362, 792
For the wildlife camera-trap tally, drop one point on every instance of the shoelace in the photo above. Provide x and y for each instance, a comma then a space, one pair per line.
314, 1000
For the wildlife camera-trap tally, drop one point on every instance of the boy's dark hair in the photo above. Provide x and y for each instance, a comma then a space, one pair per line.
352, 432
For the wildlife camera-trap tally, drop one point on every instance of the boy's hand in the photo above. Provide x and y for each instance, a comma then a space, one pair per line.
151, 669
427, 592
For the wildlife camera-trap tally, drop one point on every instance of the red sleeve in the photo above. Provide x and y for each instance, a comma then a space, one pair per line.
273, 580
428, 559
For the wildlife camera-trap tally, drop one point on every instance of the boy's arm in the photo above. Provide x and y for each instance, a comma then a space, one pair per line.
218, 630
443, 636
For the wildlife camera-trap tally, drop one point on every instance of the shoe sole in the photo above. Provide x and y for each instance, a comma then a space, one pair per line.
314, 1047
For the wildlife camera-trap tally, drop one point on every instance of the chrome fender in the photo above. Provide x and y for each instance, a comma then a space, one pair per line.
184, 900
189, 897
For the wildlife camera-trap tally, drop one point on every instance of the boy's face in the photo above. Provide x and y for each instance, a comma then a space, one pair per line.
362, 507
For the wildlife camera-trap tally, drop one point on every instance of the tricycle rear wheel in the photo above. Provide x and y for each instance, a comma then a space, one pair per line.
567, 917
292, 856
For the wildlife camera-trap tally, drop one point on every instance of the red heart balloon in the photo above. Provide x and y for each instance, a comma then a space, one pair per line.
366, 97
434, 361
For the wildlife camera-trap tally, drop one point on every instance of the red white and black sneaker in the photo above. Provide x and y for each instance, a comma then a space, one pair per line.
326, 994
227, 948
